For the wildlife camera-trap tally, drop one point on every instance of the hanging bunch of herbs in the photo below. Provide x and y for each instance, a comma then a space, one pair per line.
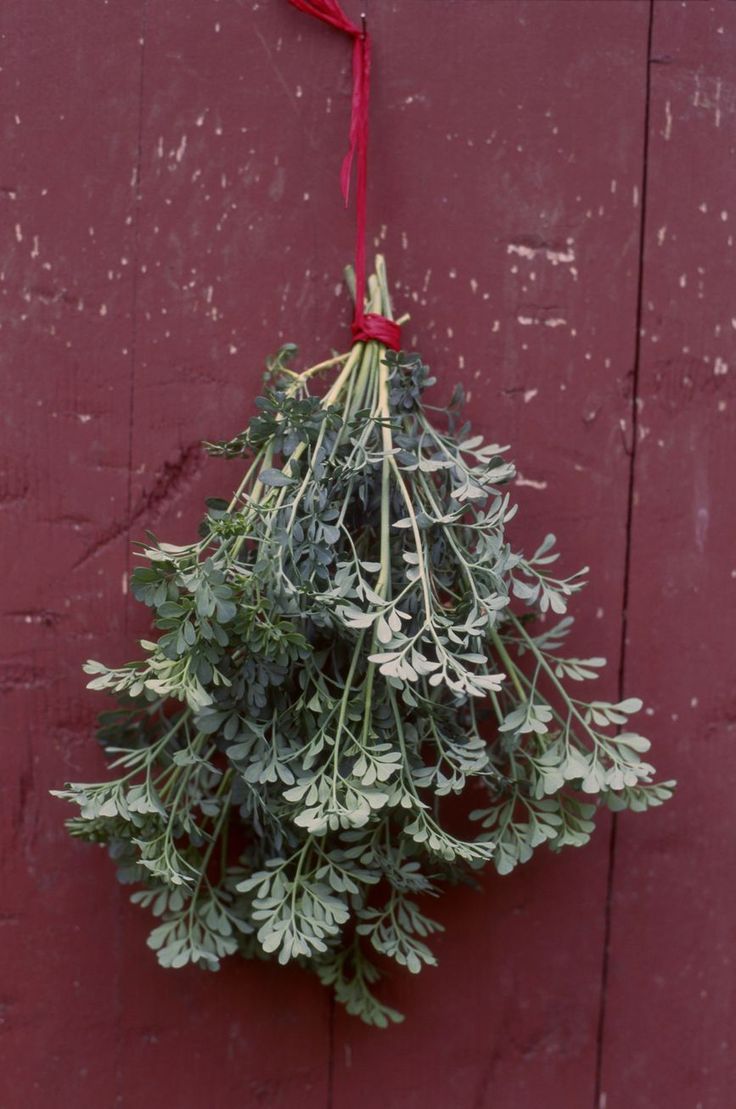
350, 641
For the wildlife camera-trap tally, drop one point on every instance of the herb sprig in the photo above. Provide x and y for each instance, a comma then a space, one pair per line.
350, 640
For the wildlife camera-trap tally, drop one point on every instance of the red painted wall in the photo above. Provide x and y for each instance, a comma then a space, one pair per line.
554, 186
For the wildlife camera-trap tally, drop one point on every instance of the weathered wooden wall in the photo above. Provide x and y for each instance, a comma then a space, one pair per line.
554, 184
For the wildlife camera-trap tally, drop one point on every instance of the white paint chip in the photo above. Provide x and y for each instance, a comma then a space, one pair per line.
531, 483
555, 257
667, 132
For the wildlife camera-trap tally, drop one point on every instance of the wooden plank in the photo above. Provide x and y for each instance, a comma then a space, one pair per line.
70, 81
507, 170
220, 172
89, 1018
669, 1007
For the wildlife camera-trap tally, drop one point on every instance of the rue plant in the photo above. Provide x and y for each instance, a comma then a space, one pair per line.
350, 641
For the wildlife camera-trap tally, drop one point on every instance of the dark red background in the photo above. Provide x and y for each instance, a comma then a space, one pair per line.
553, 184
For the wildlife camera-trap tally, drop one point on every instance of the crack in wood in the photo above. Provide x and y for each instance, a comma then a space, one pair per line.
599, 1095
173, 478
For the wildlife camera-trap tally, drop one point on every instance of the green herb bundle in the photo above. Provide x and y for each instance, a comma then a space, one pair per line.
350, 641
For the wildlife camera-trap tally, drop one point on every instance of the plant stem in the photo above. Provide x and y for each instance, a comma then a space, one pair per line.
508, 663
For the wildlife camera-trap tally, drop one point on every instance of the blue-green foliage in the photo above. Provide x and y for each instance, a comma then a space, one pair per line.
351, 640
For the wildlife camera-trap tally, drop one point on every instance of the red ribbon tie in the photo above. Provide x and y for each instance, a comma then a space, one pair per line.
366, 325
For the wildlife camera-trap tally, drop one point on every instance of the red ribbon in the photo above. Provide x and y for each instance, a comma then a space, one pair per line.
366, 325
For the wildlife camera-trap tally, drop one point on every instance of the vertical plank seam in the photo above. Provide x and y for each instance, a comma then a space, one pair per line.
134, 283
599, 1095
331, 1052
129, 497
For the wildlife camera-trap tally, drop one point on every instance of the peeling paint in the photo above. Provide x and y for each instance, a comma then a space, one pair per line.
667, 132
531, 483
554, 256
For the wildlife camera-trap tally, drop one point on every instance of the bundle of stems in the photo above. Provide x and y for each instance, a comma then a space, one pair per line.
350, 642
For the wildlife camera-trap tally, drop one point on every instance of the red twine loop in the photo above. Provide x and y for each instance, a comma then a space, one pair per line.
366, 325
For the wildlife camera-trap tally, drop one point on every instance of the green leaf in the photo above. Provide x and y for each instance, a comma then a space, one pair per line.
274, 478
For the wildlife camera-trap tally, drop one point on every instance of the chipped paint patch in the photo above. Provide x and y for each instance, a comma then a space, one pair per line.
667, 132
708, 96
554, 257
531, 483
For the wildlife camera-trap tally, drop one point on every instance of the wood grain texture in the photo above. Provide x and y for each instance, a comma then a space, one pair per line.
668, 1033
69, 148
525, 134
171, 214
